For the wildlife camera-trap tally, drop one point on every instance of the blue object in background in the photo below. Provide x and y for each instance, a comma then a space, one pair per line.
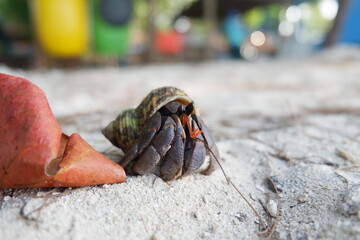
350, 31
235, 32
234, 29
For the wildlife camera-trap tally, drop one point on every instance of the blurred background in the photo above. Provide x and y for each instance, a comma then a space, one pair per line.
73, 33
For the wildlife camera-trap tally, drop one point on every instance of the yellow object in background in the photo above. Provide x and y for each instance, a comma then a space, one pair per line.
61, 26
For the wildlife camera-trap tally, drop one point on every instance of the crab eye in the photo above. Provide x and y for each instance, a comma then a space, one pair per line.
180, 110
189, 108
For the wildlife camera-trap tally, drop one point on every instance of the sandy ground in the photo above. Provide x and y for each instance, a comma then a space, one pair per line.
295, 122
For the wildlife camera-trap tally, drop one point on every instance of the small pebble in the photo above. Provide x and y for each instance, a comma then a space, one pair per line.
272, 208
241, 217
6, 198
197, 215
40, 194
316, 225
214, 228
158, 183
206, 235
303, 198
157, 236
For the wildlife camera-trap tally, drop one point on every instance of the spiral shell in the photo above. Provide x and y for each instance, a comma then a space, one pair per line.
124, 131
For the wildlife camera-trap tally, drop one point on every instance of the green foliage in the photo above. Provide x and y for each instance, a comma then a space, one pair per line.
254, 18
166, 11
14, 11
315, 20
15, 17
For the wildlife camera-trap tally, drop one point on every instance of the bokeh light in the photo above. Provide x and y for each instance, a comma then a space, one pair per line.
293, 14
249, 52
182, 24
286, 28
328, 9
257, 38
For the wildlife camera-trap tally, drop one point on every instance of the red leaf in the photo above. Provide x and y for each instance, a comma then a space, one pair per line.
31, 139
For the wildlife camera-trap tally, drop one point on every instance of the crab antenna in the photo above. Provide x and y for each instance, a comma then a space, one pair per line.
262, 222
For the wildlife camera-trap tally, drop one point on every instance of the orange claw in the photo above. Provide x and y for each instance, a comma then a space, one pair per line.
185, 121
195, 133
34, 152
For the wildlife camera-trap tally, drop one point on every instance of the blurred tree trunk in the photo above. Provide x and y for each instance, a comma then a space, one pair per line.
210, 18
333, 34
151, 29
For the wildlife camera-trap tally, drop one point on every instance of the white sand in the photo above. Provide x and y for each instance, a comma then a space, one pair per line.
285, 119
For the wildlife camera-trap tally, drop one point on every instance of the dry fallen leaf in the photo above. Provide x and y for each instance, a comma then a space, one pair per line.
33, 150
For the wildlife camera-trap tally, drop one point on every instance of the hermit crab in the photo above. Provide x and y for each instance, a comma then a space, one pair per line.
163, 135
